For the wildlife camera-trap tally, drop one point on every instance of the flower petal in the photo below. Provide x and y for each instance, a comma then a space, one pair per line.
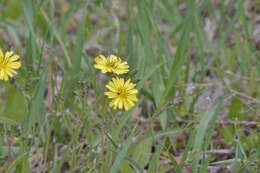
8, 54
122, 93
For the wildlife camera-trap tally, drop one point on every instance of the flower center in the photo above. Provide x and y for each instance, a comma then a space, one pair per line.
2, 65
111, 65
122, 93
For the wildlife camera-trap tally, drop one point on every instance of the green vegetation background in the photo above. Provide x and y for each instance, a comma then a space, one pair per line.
196, 64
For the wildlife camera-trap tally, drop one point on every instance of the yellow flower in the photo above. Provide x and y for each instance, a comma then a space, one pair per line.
121, 93
8, 63
111, 64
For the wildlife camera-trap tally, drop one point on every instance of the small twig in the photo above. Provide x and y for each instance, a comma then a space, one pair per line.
239, 76
49, 87
220, 151
240, 169
242, 123
244, 95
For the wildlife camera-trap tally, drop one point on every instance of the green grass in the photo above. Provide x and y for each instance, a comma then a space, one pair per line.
54, 116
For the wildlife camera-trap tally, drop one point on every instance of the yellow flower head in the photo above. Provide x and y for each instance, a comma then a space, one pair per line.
8, 63
112, 64
121, 93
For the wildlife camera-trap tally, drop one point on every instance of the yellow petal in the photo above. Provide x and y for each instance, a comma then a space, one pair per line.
120, 104
14, 65
1, 54
5, 77
14, 58
111, 94
132, 97
2, 73
8, 54
132, 91
126, 106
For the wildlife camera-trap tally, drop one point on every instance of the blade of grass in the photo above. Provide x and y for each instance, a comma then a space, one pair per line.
17, 161
180, 54
148, 74
199, 140
135, 164
155, 159
122, 153
28, 7
36, 105
122, 122
208, 121
175, 163
72, 76
57, 36
199, 36
227, 33
31, 50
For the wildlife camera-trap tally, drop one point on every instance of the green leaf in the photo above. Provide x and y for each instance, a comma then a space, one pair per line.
12, 9
136, 165
125, 167
17, 163
142, 153
36, 105
175, 163
73, 74
28, 7
5, 150
180, 56
207, 124
163, 119
15, 107
228, 133
122, 153
155, 159
122, 122
201, 132
149, 74
235, 108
